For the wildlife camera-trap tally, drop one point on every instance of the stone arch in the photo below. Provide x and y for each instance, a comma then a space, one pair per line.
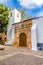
22, 40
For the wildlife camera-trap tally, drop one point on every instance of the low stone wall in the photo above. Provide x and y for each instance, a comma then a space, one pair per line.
2, 38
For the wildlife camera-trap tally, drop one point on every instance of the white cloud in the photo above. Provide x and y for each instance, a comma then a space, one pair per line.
31, 3
4, 2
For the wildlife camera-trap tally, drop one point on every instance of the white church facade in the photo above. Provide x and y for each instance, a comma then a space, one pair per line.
27, 33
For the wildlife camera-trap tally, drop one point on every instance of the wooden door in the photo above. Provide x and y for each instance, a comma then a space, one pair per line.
22, 40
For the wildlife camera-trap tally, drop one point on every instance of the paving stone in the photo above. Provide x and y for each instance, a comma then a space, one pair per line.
25, 56
21, 59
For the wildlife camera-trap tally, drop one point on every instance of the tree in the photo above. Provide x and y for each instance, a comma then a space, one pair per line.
23, 15
4, 17
28, 17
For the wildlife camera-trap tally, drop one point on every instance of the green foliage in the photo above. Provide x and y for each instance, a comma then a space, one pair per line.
24, 16
28, 17
4, 17
23, 13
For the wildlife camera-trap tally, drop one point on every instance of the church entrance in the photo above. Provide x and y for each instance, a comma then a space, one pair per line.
22, 40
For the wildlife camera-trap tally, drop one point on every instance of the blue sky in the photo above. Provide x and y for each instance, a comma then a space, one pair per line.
32, 7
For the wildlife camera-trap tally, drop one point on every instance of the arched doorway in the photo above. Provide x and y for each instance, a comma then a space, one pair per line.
22, 40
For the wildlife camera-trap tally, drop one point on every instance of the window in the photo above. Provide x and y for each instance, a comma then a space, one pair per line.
0, 38
11, 14
17, 15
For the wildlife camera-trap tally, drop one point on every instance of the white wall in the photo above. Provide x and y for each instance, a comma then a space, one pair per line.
14, 18
10, 27
39, 23
17, 19
34, 37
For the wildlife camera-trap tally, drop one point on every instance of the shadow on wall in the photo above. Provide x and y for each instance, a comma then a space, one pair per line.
40, 46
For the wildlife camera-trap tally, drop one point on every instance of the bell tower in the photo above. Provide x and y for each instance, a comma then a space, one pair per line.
15, 17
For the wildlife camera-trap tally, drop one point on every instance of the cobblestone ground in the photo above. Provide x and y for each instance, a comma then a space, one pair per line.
20, 56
